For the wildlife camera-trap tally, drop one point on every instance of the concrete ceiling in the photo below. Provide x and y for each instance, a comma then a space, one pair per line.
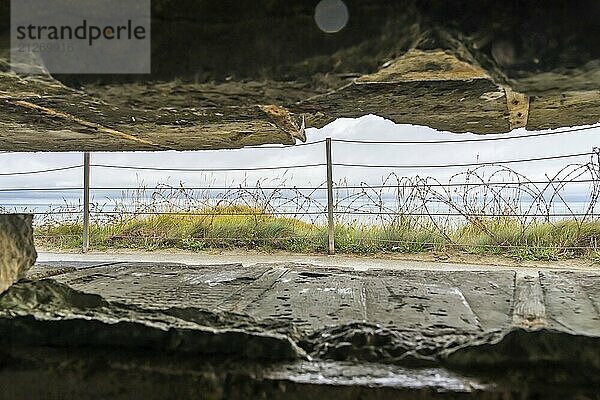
227, 75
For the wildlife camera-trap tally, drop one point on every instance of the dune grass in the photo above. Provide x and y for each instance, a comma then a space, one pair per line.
259, 230
405, 214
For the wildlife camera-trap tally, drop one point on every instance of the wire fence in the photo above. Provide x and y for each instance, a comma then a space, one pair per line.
483, 205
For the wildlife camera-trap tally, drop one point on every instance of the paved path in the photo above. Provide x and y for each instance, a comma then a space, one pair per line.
246, 259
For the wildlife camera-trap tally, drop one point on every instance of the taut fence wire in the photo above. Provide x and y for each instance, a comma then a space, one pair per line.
478, 196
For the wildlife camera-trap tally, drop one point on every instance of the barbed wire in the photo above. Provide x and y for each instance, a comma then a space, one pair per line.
336, 186
33, 189
476, 164
249, 169
324, 212
491, 191
210, 214
470, 215
130, 188
440, 244
463, 184
131, 167
241, 169
42, 171
449, 141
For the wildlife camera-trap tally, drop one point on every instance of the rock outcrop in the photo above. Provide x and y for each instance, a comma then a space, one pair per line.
17, 252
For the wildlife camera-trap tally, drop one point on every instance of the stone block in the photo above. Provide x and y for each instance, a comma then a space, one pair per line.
17, 251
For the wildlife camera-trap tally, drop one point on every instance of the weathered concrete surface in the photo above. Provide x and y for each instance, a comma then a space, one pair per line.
466, 301
69, 119
44, 313
505, 334
248, 75
17, 251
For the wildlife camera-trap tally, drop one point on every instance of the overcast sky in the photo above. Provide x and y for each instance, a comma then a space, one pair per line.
367, 128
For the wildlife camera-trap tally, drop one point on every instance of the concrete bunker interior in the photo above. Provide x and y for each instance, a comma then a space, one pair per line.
232, 74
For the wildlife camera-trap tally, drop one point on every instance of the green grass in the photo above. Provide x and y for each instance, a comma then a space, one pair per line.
193, 232
262, 231
534, 241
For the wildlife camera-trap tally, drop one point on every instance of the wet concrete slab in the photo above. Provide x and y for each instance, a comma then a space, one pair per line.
311, 298
379, 333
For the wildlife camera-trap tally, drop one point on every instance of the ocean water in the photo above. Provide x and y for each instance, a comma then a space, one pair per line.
351, 206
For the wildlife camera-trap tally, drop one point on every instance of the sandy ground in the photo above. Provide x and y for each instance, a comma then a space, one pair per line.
425, 261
